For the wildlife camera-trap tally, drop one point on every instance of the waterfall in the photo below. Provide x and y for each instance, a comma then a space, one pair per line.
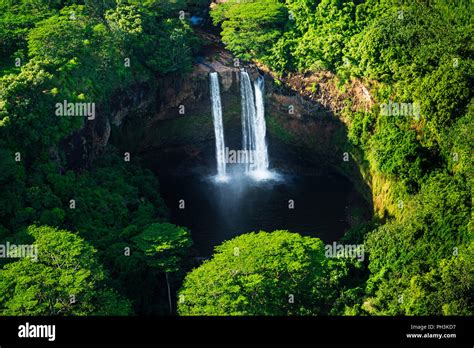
248, 114
218, 126
261, 152
253, 127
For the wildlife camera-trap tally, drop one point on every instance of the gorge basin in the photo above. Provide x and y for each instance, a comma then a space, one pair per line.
221, 199
215, 212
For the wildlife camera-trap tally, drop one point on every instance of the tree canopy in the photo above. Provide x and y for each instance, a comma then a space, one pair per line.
63, 278
278, 273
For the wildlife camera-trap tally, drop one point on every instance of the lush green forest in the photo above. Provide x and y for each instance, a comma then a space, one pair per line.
81, 51
103, 233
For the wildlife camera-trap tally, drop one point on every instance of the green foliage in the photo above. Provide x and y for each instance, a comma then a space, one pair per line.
60, 38
27, 114
411, 257
65, 268
77, 59
444, 95
328, 29
420, 263
403, 161
459, 142
260, 274
125, 19
361, 128
446, 289
161, 44
249, 28
112, 203
12, 183
165, 245
410, 52
17, 18
77, 51
280, 57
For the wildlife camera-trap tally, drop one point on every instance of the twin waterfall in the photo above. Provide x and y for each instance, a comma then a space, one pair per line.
254, 145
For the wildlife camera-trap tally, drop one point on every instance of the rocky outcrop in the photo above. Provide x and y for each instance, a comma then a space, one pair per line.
89, 142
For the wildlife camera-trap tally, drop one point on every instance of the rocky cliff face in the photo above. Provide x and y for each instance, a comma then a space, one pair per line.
89, 142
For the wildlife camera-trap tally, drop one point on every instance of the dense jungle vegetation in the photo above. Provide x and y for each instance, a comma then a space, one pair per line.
103, 231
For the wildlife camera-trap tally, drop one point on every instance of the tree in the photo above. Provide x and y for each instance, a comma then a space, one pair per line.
62, 277
415, 260
324, 33
397, 152
250, 28
79, 51
165, 246
17, 18
278, 273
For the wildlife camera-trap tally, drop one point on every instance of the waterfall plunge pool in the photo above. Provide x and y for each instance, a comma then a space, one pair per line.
313, 205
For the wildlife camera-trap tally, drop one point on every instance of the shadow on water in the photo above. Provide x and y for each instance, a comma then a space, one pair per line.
312, 205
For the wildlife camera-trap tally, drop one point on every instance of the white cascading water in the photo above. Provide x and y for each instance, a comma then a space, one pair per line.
218, 126
253, 127
261, 162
